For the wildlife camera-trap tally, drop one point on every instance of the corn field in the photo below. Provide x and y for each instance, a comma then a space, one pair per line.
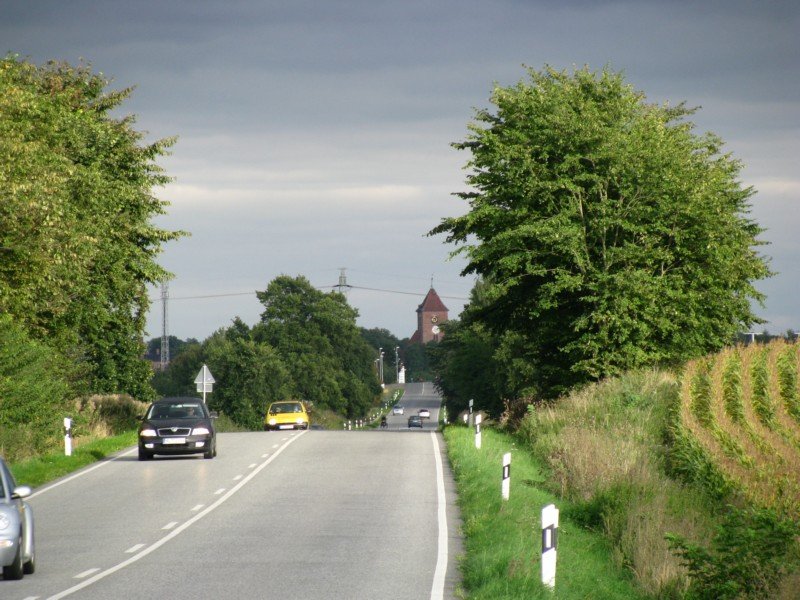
737, 426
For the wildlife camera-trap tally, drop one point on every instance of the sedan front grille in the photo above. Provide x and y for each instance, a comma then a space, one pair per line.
168, 431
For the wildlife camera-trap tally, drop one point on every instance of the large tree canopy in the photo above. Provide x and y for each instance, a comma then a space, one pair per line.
77, 245
612, 233
316, 336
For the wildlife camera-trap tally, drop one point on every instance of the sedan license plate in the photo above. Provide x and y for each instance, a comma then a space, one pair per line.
174, 440
285, 426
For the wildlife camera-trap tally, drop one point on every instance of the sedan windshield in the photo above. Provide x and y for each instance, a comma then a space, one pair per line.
176, 411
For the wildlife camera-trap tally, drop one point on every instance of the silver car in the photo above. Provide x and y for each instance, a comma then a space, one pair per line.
16, 527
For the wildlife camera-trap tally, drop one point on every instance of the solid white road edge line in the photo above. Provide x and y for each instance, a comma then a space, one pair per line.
437, 589
79, 474
175, 532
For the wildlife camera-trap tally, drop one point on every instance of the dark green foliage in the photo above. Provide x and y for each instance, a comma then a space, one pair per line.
466, 369
249, 377
316, 336
383, 339
178, 378
750, 552
77, 245
34, 391
611, 234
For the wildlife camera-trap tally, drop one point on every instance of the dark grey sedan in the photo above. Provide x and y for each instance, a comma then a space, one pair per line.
414, 421
177, 426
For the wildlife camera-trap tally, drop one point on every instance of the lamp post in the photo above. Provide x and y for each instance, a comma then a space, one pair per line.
396, 366
381, 359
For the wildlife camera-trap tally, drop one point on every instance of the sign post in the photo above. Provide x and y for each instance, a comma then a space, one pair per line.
549, 543
204, 381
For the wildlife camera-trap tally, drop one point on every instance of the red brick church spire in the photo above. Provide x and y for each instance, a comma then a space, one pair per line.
430, 316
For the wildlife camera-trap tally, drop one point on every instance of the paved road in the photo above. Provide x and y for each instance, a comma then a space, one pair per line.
317, 514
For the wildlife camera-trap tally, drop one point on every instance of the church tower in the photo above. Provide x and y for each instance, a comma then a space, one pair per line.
430, 316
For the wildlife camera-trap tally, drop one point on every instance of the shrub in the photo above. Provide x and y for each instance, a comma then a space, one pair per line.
750, 552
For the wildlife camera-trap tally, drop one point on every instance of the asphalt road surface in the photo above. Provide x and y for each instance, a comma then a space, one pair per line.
284, 515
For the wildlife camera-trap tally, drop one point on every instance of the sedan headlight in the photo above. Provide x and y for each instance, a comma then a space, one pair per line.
200, 431
300, 421
273, 421
147, 433
4, 522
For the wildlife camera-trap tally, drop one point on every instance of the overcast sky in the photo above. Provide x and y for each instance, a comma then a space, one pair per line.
315, 135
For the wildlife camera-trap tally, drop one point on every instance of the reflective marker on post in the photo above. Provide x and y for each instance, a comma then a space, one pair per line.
549, 543
469, 415
506, 475
478, 431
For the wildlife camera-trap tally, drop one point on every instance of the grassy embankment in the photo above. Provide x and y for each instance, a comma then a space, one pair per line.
503, 538
691, 480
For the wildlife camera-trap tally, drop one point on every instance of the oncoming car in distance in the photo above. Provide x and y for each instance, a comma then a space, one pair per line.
17, 557
414, 421
398, 409
286, 414
424, 413
177, 426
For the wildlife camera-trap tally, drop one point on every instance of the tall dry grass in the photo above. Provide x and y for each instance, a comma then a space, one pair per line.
604, 445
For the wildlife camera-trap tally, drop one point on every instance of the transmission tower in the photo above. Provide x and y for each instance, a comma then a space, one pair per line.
342, 286
164, 325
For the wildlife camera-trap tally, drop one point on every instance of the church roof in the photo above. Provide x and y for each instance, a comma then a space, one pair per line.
432, 303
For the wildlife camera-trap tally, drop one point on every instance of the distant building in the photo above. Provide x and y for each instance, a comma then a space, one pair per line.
430, 316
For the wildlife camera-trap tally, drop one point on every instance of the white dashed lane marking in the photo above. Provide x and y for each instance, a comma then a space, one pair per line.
135, 548
86, 573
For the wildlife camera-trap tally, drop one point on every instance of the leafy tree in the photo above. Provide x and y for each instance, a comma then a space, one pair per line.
316, 336
249, 376
176, 346
612, 235
379, 338
77, 246
34, 392
178, 378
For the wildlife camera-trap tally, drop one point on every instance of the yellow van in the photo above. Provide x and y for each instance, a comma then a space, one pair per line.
287, 414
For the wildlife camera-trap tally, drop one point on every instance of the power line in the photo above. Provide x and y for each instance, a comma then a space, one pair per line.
353, 287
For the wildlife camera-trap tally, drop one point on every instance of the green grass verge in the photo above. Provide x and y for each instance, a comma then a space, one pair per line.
42, 469
503, 538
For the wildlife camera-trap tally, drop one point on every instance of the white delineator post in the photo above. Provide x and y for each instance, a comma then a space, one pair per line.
478, 431
506, 487
469, 414
67, 437
549, 543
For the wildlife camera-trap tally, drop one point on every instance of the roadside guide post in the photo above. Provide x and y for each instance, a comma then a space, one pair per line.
549, 543
470, 411
478, 432
506, 487
204, 381
67, 437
